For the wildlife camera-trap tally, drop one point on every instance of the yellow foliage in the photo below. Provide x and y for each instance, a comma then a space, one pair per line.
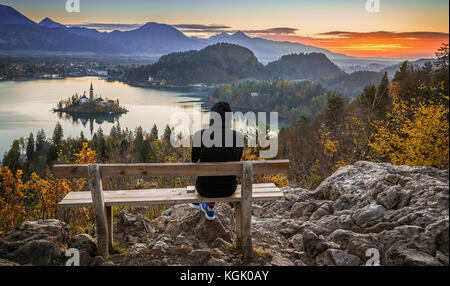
86, 155
277, 179
12, 210
330, 146
414, 134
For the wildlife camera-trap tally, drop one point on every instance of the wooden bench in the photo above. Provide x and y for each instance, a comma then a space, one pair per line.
103, 201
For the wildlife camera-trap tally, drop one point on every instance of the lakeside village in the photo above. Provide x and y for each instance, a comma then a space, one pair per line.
90, 106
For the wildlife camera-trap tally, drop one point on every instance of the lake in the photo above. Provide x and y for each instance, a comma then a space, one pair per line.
25, 106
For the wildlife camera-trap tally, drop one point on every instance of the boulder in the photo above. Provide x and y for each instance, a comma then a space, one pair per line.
41, 242
398, 255
130, 229
336, 257
394, 197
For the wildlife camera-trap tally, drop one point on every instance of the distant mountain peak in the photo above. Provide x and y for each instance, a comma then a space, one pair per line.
49, 23
9, 15
152, 25
240, 35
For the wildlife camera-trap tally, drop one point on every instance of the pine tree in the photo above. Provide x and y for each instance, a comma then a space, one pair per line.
154, 132
167, 133
30, 147
381, 99
40, 141
138, 138
335, 108
58, 134
145, 151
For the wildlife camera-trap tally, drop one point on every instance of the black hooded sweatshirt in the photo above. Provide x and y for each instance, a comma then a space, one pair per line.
217, 186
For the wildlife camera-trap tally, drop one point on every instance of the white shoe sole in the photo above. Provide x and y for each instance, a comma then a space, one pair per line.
194, 206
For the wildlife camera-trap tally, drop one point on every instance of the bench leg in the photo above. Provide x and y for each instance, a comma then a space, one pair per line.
110, 221
238, 219
95, 185
246, 211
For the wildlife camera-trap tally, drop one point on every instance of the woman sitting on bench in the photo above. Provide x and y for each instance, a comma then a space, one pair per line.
217, 186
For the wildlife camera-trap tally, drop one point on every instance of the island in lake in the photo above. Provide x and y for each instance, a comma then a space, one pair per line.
92, 106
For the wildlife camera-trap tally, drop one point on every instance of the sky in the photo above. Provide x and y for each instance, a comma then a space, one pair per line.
398, 29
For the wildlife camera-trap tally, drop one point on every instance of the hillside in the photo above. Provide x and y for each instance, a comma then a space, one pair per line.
303, 66
214, 64
351, 84
226, 63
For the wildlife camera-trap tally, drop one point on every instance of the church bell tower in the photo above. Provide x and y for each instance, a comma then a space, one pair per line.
91, 94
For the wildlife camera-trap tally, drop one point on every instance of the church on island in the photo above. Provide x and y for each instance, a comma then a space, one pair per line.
91, 105
98, 101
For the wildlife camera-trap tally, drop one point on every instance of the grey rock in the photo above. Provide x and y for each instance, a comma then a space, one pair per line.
336, 257
4, 262
398, 255
160, 245
367, 214
257, 210
393, 197
41, 242
213, 261
278, 260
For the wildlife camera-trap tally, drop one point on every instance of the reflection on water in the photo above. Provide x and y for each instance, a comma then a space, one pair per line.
26, 107
89, 119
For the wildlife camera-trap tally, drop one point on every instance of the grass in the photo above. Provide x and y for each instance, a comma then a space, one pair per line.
259, 252
229, 246
117, 249
77, 229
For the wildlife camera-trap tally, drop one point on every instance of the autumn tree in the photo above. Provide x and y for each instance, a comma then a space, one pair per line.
413, 134
12, 157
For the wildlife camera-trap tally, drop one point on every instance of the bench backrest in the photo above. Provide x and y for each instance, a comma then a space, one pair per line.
174, 169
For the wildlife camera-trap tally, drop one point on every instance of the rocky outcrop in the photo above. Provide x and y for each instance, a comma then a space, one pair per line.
42, 242
399, 211
364, 213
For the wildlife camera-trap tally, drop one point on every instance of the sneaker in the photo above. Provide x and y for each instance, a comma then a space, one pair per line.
194, 205
209, 212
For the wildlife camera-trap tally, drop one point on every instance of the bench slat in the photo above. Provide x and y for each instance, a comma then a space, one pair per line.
173, 169
164, 196
257, 188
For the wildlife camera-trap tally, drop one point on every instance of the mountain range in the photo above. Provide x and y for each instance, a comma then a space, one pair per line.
19, 34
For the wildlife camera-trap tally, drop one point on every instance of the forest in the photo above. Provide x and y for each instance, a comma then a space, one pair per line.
291, 100
404, 122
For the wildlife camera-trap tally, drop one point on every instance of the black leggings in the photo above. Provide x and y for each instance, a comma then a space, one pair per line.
210, 189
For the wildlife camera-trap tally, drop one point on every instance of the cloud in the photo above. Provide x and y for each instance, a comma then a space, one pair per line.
213, 28
107, 27
200, 27
377, 43
385, 34
273, 31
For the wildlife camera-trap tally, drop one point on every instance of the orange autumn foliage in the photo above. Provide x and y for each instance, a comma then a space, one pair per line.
38, 197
